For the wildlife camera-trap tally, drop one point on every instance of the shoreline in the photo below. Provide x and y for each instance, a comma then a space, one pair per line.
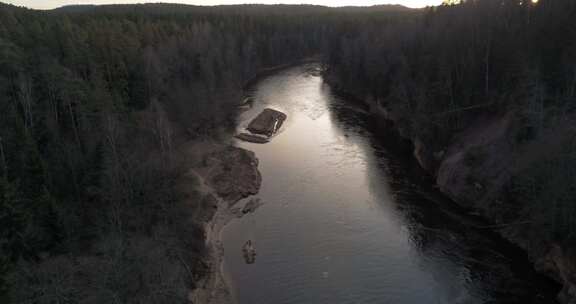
214, 288
430, 164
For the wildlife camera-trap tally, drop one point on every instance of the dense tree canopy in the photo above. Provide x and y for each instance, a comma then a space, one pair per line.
444, 70
94, 102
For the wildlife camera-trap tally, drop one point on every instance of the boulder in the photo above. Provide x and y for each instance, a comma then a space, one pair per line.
249, 252
267, 122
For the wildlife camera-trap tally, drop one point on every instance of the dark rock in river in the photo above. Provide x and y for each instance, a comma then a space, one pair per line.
267, 122
252, 205
249, 252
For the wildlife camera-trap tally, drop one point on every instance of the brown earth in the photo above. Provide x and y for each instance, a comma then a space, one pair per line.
226, 175
232, 173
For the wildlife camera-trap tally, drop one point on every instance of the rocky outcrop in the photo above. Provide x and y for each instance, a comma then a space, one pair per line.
476, 166
267, 122
232, 172
263, 127
475, 169
251, 205
226, 174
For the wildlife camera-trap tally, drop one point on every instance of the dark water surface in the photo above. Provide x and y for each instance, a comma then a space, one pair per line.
343, 221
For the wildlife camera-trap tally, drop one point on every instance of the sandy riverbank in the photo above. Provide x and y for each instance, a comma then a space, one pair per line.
227, 174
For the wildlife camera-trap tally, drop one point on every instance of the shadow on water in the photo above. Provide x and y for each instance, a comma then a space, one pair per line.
443, 232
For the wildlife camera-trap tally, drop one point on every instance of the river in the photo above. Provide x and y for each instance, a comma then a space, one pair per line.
344, 220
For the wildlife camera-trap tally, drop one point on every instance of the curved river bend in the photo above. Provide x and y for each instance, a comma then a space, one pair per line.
341, 223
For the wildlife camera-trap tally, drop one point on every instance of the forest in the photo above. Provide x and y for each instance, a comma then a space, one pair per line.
94, 106
452, 66
485, 90
96, 101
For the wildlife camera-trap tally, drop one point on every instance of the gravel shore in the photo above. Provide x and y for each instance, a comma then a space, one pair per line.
229, 174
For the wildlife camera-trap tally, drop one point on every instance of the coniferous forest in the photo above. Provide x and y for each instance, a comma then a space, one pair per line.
96, 103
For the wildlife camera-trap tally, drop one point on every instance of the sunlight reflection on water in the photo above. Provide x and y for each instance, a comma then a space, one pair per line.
331, 229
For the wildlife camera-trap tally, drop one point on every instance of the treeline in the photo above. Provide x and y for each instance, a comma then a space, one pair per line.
484, 54
451, 67
94, 103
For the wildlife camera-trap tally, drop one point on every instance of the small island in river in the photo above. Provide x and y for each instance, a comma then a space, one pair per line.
264, 126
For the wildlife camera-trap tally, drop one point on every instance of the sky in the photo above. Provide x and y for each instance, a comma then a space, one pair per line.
49, 4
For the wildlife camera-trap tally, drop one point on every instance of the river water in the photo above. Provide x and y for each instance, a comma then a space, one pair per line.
344, 222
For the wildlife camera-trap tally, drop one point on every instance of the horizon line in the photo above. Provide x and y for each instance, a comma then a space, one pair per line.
223, 5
